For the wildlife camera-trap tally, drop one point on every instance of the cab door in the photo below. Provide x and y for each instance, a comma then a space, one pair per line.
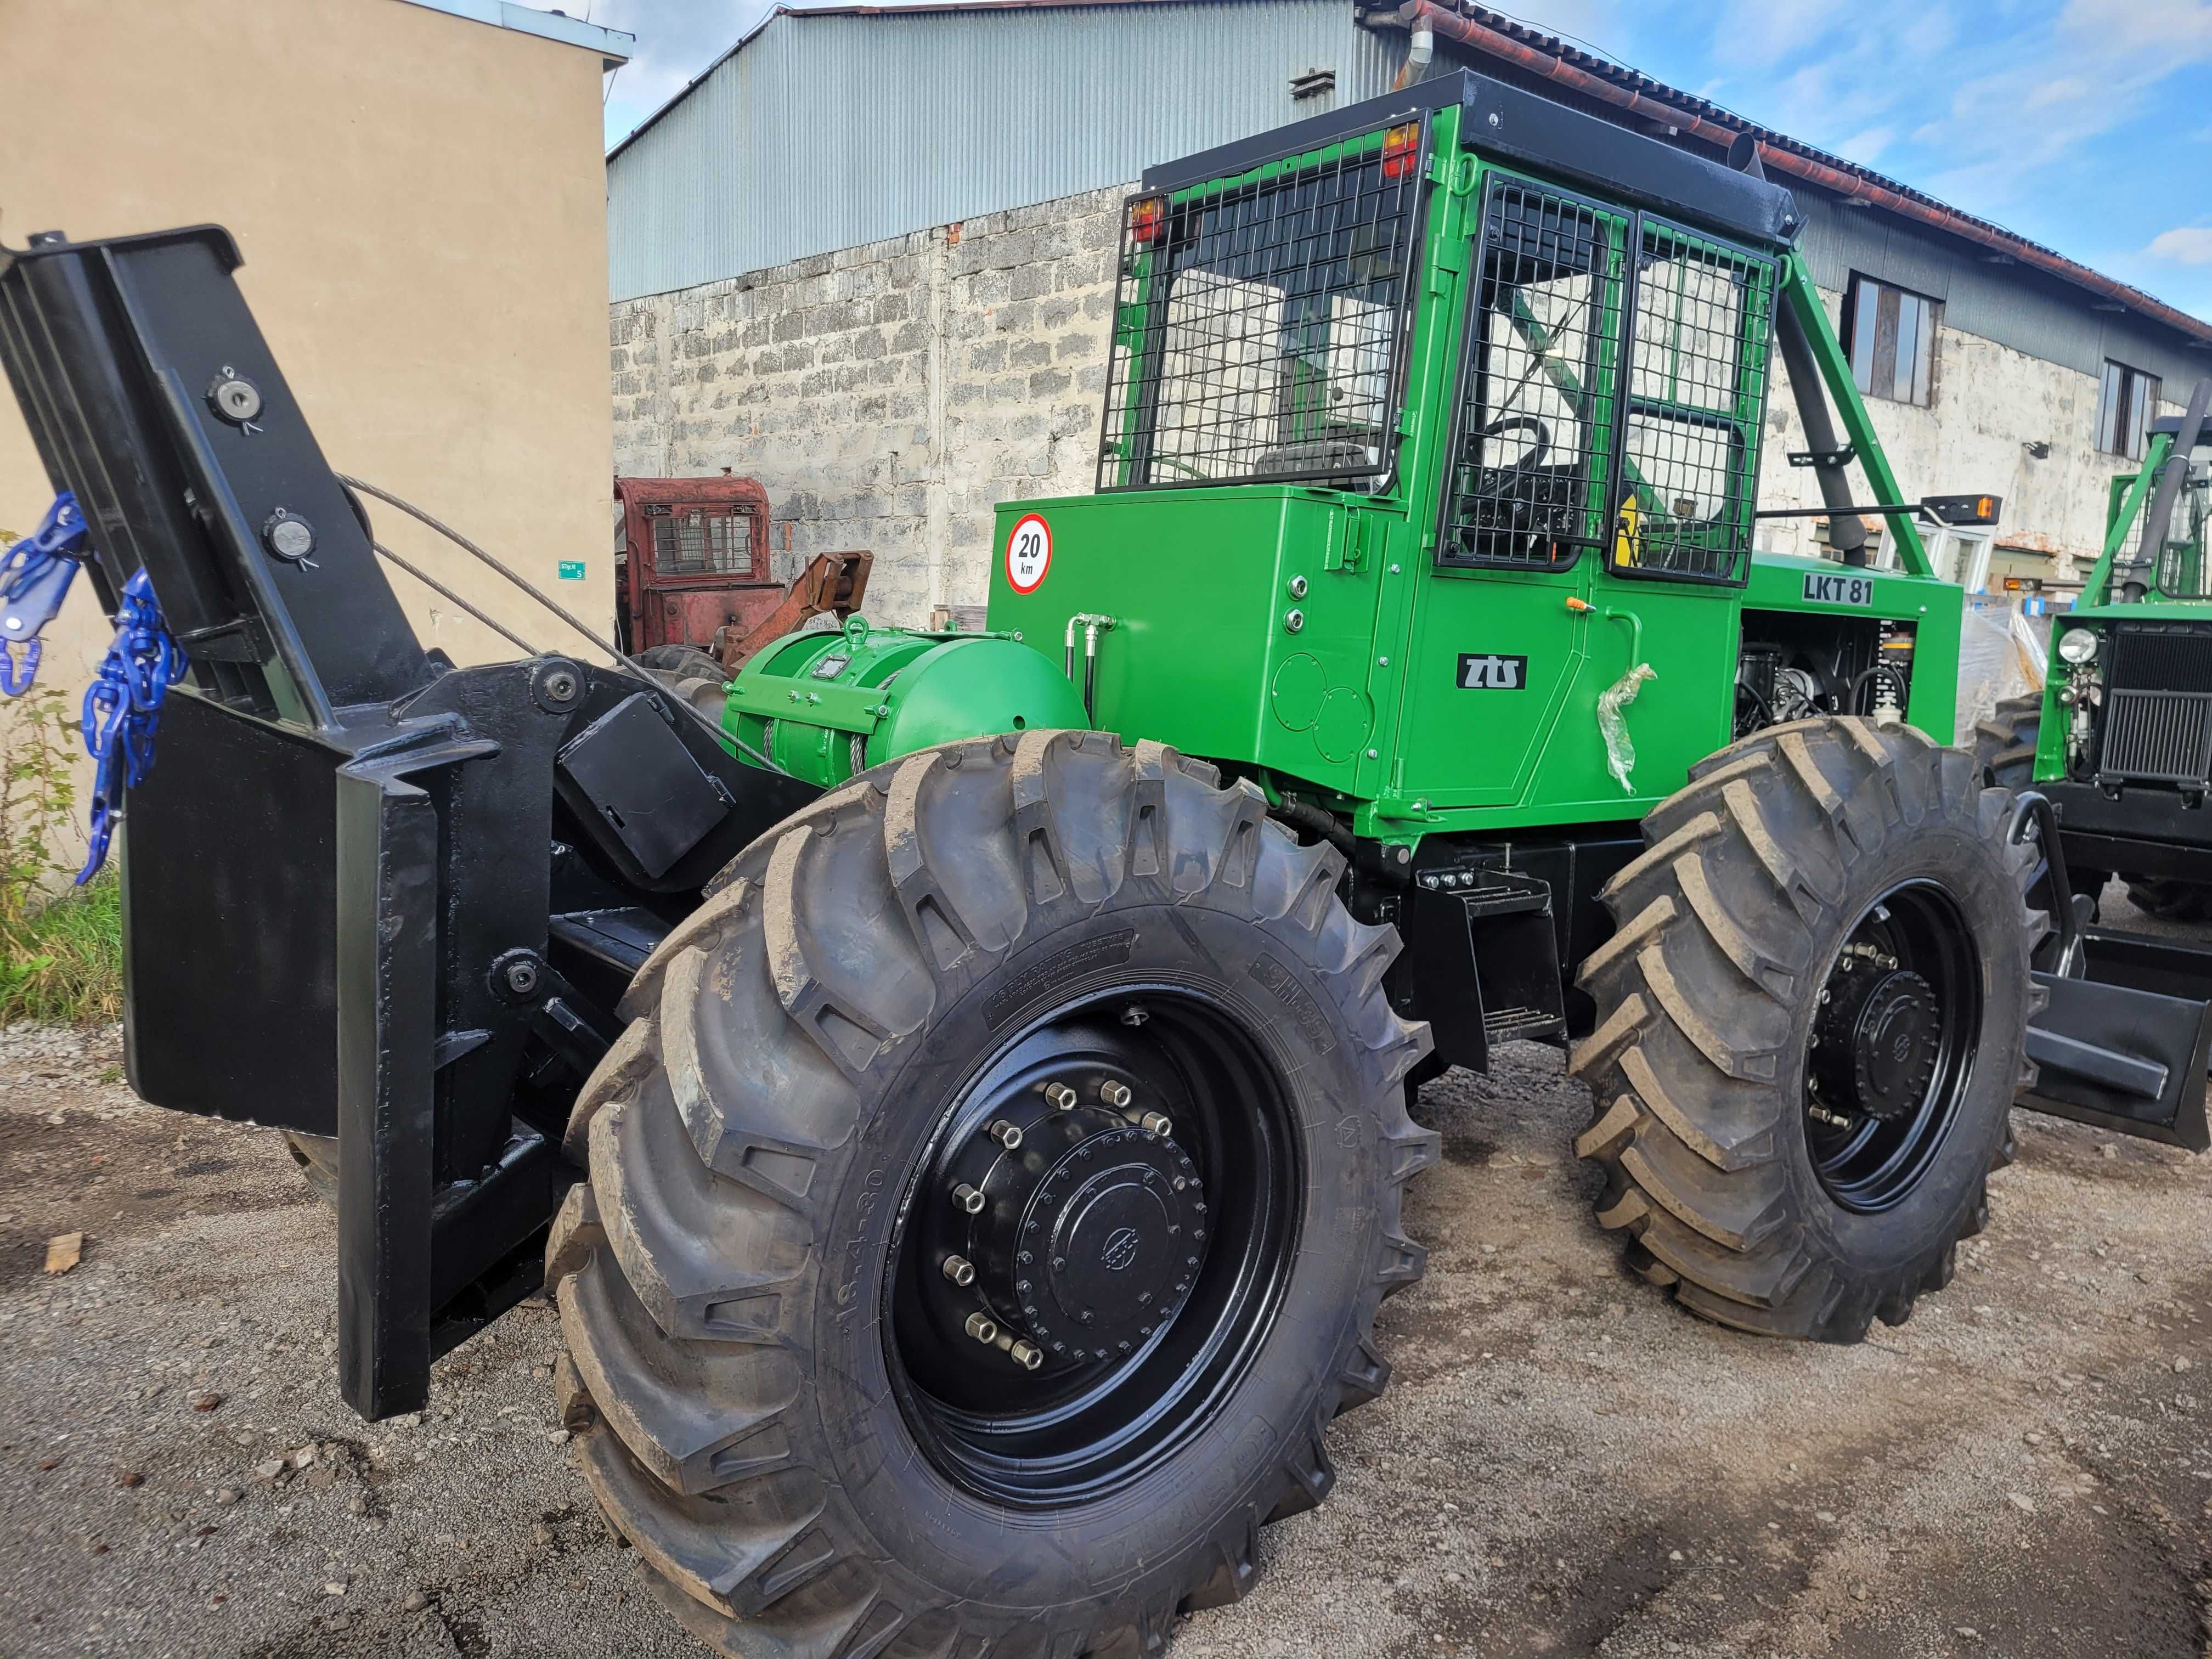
1669, 582
1500, 647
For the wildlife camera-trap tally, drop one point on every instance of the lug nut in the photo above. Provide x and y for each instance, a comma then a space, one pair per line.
1026, 1355
1006, 1134
982, 1328
967, 1198
1154, 1123
1062, 1097
1115, 1095
960, 1270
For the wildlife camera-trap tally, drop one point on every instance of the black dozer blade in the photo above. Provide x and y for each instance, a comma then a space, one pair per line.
2125, 1039
2119, 1049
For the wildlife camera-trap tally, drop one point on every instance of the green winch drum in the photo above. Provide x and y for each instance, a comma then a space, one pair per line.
825, 707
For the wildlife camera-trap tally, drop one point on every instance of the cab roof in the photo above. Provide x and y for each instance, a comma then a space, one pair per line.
1507, 123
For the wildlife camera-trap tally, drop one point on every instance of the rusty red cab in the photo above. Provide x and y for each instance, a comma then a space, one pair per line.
696, 561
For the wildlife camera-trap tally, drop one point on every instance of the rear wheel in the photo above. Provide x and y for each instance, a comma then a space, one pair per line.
2005, 745
689, 673
2171, 897
1811, 1024
987, 1210
317, 1159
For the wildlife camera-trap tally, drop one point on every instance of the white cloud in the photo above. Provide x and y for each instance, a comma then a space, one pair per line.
2186, 245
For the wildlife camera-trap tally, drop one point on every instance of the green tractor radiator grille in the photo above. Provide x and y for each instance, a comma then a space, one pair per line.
2158, 706
1258, 324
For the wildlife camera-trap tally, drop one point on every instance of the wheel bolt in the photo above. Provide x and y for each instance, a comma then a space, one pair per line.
1027, 1356
1063, 1098
1115, 1095
1154, 1123
967, 1198
982, 1328
960, 1270
1006, 1134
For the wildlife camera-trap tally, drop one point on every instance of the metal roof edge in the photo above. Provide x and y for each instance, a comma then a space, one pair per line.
1563, 63
894, 9
613, 45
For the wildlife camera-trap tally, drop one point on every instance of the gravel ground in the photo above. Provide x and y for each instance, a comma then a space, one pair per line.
1565, 1464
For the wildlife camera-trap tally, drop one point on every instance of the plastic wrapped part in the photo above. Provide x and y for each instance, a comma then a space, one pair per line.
1999, 657
1613, 724
2033, 638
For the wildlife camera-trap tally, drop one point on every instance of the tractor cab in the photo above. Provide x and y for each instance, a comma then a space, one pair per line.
1437, 421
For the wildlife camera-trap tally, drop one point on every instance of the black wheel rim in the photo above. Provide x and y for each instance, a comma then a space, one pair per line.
1090, 1194
1891, 1049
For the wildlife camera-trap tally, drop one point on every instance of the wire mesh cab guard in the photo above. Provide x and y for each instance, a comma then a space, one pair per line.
1261, 324
1606, 401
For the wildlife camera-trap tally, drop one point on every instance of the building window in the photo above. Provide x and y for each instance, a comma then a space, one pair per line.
2126, 400
1890, 334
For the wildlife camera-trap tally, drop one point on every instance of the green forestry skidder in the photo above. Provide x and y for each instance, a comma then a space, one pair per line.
959, 1100
2120, 739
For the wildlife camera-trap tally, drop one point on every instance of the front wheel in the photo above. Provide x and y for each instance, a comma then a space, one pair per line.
988, 1209
1811, 1021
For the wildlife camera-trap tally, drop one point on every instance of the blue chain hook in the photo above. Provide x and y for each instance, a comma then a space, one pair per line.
35, 574
122, 708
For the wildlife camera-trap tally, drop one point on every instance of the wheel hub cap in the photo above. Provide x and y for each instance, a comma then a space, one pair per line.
1092, 1234
1879, 1040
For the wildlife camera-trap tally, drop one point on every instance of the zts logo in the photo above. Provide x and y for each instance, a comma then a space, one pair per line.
1487, 671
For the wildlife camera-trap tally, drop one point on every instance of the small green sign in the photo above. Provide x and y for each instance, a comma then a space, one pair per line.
571, 570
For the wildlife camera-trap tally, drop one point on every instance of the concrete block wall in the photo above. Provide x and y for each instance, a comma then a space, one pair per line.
1991, 402
887, 395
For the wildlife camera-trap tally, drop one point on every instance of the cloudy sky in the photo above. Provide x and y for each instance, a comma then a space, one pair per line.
2086, 124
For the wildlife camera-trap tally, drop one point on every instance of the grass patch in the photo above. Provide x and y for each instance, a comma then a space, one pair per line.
63, 961
61, 957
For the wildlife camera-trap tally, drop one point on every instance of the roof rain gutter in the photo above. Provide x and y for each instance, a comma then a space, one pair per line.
1423, 15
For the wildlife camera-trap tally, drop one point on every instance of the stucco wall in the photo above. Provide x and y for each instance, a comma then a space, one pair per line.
889, 395
420, 202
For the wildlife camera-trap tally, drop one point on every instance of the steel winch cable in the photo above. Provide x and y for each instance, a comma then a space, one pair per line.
447, 593
546, 599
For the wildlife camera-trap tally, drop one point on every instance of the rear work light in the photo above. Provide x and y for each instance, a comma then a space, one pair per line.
1400, 150
1146, 218
1962, 509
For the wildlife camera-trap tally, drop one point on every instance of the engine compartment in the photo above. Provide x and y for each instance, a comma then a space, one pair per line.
1791, 665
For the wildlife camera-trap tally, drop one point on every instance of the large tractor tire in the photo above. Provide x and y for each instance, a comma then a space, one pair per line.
2005, 745
988, 1208
317, 1159
2174, 898
689, 673
1811, 1022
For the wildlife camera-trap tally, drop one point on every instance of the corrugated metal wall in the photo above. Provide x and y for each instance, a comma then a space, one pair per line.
827, 132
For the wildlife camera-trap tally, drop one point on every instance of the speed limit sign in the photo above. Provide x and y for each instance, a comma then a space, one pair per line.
1029, 553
